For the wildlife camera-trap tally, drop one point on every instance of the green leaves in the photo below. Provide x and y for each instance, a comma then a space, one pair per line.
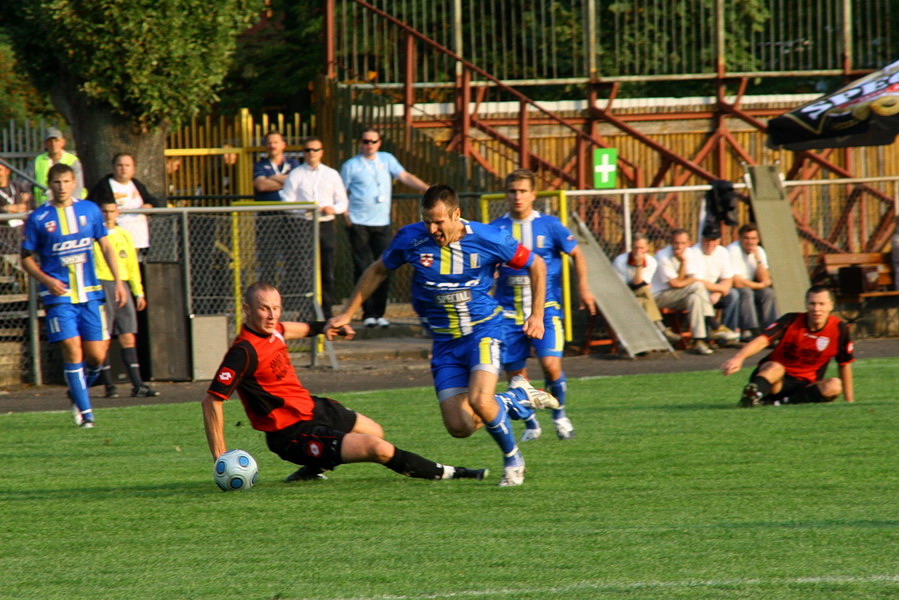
150, 62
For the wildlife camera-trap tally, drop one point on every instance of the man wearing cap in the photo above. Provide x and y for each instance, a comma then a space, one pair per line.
718, 278
55, 143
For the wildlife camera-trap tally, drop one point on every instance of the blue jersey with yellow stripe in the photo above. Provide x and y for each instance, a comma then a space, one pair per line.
451, 284
63, 238
545, 235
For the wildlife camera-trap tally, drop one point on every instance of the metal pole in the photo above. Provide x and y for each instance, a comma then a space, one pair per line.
591, 40
720, 60
33, 332
626, 211
330, 51
847, 37
186, 273
457, 35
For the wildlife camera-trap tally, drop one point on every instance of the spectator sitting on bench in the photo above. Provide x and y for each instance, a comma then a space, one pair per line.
752, 281
637, 268
677, 285
718, 277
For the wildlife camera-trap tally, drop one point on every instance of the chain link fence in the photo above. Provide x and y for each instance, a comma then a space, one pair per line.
214, 253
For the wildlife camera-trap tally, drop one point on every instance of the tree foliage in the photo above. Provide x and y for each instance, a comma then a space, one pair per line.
148, 61
276, 60
19, 100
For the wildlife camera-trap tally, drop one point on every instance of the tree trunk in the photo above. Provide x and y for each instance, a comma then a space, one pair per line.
100, 134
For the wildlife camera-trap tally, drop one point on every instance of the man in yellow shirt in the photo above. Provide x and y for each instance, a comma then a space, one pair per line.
122, 320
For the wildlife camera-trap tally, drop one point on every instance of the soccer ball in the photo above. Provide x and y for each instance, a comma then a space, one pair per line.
235, 470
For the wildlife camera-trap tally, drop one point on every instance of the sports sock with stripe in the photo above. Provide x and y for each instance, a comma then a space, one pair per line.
558, 388
74, 374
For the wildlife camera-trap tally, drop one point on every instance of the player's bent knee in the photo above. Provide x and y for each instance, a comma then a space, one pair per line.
772, 370
459, 431
831, 388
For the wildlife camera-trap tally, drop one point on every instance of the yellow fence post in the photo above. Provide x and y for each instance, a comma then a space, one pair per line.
562, 210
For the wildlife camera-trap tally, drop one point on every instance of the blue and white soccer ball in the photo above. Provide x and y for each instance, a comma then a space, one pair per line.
235, 470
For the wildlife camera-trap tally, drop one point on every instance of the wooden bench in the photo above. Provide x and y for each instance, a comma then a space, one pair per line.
874, 267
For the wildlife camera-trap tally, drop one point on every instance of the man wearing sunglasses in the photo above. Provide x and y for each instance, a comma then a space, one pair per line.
319, 184
368, 178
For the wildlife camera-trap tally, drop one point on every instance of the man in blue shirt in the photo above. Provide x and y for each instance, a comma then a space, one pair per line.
454, 261
546, 236
368, 177
61, 234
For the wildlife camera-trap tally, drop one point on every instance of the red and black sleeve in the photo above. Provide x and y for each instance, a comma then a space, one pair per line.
845, 350
236, 364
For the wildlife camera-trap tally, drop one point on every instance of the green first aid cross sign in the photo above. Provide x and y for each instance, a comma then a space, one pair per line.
605, 168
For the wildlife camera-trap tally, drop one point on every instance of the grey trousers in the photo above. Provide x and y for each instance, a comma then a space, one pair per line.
694, 299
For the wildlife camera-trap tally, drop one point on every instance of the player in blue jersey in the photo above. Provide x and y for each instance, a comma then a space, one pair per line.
454, 261
58, 251
546, 236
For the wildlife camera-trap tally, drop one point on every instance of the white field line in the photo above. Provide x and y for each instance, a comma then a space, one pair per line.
601, 586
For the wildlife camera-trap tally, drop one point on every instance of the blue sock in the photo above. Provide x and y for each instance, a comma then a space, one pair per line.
511, 399
74, 373
532, 422
558, 388
91, 373
500, 429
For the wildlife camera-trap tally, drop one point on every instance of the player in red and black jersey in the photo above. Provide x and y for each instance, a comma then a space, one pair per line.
793, 373
317, 433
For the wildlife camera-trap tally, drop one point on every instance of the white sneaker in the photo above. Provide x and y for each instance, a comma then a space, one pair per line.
370, 322
530, 434
536, 398
564, 428
76, 415
512, 476
383, 323
724, 334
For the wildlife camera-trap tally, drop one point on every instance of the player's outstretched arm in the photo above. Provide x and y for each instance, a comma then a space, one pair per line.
735, 363
300, 329
365, 287
846, 377
214, 422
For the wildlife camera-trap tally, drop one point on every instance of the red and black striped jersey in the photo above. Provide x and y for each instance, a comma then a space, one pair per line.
805, 353
259, 368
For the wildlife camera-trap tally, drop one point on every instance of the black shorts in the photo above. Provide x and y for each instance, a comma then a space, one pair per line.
791, 386
316, 442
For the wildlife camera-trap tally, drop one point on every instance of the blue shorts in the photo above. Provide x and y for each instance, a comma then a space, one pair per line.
86, 320
454, 360
517, 346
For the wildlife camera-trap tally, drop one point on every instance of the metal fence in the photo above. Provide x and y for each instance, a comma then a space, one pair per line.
219, 251
216, 253
571, 41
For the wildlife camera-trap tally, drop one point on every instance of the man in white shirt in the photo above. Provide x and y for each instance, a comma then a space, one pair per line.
319, 184
677, 285
123, 188
637, 268
752, 281
718, 277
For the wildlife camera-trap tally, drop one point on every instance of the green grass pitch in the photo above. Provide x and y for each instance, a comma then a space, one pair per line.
667, 491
